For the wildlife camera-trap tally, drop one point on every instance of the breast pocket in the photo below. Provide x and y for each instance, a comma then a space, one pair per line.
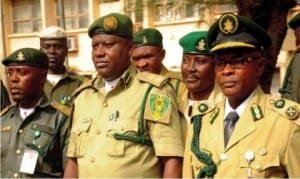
82, 132
119, 148
263, 165
42, 135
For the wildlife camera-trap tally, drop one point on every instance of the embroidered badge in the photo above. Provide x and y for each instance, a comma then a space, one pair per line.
110, 23
292, 112
159, 105
228, 24
201, 44
279, 103
20, 56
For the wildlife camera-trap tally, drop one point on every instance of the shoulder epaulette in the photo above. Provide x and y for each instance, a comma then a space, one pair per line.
5, 110
174, 75
62, 108
154, 79
284, 107
201, 108
85, 85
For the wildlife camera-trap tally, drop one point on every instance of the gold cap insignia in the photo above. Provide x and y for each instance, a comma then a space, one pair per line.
228, 24
110, 23
145, 40
20, 56
201, 44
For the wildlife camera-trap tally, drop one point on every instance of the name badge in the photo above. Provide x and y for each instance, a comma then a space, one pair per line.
29, 161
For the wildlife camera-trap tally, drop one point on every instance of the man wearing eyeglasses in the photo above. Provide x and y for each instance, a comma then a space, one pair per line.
249, 133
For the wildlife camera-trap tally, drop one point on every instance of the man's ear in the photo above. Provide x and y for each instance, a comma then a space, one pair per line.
261, 63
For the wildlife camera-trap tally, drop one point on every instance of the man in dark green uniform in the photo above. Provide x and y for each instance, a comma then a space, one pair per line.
33, 132
60, 83
291, 84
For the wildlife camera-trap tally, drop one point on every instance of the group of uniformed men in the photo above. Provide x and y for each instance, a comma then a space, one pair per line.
136, 119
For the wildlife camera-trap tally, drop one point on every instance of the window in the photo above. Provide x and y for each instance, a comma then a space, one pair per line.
26, 16
76, 14
168, 10
134, 9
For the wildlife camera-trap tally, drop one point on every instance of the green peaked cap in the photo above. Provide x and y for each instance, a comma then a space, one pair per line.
114, 24
148, 37
27, 56
195, 42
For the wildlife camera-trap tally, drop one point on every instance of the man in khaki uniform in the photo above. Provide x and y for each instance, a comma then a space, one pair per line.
125, 124
148, 54
291, 83
34, 133
249, 133
197, 69
60, 83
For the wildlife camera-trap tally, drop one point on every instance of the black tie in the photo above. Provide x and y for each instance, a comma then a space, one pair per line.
230, 120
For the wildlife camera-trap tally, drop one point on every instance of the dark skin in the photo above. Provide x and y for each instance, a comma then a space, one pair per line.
111, 55
26, 84
198, 75
238, 84
148, 58
57, 51
297, 35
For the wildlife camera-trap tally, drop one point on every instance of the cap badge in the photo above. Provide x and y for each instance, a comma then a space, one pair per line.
145, 40
110, 23
228, 24
20, 56
201, 44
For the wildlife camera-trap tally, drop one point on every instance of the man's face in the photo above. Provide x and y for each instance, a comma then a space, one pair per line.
240, 76
111, 55
56, 50
26, 83
198, 72
148, 58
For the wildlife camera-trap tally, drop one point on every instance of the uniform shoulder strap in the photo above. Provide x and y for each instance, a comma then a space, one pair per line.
66, 110
285, 107
153, 79
85, 85
5, 110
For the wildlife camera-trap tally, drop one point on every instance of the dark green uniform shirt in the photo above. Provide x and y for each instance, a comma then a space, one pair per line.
62, 91
18, 134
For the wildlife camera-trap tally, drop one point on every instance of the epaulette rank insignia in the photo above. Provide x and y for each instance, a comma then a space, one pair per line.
286, 108
201, 108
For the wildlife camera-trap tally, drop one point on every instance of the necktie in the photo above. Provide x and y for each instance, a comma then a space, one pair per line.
230, 119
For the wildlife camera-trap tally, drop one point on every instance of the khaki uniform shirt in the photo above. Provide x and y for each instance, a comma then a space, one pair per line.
98, 115
215, 96
63, 89
267, 133
17, 133
293, 79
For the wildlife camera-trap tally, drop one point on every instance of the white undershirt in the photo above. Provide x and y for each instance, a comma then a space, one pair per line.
24, 112
54, 78
109, 85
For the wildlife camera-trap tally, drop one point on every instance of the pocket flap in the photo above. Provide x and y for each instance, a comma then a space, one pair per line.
83, 125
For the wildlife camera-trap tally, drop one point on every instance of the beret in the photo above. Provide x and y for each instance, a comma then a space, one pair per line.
235, 31
295, 21
53, 32
148, 37
114, 24
194, 42
27, 56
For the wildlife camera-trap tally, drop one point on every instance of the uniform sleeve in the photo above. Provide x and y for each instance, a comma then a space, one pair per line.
187, 159
292, 152
167, 137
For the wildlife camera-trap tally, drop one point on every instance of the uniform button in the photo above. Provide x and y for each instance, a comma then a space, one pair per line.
20, 131
16, 175
258, 167
34, 126
18, 151
105, 104
92, 159
224, 157
262, 151
98, 131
